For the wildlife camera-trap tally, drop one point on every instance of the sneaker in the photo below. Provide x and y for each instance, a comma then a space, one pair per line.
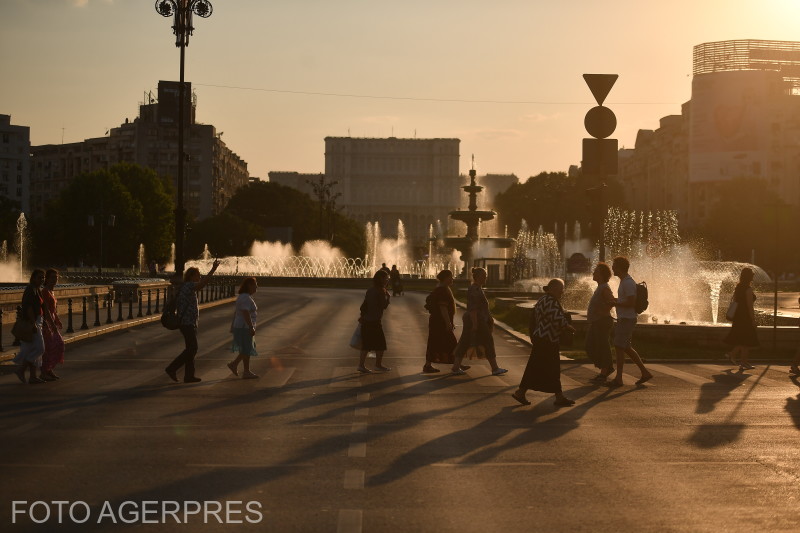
249, 375
564, 402
458, 372
794, 370
382, 368
429, 369
364, 370
499, 371
746, 366
192, 379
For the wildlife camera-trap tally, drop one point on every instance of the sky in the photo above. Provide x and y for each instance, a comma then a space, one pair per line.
278, 76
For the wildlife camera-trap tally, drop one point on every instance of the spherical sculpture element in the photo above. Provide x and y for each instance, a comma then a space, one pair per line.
600, 122
202, 8
165, 8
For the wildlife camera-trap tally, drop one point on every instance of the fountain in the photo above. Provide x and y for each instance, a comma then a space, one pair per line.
22, 236
206, 255
4, 252
472, 242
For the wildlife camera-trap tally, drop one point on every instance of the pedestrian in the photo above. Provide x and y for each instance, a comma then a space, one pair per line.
53, 341
743, 334
598, 346
397, 284
543, 371
372, 338
476, 336
626, 322
30, 352
189, 314
442, 308
385, 268
244, 328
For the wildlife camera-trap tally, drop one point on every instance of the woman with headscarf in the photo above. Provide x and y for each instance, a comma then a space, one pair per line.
376, 300
543, 372
743, 334
30, 352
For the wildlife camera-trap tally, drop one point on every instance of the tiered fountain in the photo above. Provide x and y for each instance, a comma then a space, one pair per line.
473, 217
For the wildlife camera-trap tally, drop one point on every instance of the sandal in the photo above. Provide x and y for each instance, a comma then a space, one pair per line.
564, 402
233, 369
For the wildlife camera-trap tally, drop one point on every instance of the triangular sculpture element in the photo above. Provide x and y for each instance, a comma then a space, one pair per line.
600, 85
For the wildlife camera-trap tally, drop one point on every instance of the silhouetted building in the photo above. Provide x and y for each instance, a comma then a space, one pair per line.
15, 148
386, 180
212, 172
743, 121
295, 180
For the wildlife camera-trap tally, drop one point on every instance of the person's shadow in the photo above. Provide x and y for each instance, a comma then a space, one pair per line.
793, 404
722, 387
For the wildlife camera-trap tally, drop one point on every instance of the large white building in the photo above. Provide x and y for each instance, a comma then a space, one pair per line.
386, 180
15, 149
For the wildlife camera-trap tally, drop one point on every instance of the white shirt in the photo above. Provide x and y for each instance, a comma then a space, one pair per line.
244, 302
627, 288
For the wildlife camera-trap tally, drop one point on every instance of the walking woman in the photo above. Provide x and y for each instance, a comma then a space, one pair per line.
598, 347
743, 334
478, 325
543, 372
189, 314
53, 341
441, 339
372, 337
244, 329
30, 353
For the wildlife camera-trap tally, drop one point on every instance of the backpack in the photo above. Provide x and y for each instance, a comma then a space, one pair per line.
641, 298
169, 317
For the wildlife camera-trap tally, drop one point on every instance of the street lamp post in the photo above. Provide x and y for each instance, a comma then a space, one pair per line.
182, 11
103, 219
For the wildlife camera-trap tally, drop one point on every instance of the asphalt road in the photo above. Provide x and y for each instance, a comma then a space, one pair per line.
313, 446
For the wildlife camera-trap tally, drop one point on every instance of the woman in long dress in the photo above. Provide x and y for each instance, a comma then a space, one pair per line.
476, 338
372, 338
543, 372
244, 329
30, 352
743, 334
598, 347
441, 339
53, 341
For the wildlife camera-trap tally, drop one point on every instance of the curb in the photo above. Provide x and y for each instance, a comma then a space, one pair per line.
79, 336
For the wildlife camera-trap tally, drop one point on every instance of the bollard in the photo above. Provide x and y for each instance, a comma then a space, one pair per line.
158, 296
96, 310
118, 297
84, 325
139, 314
130, 304
69, 316
149, 312
109, 302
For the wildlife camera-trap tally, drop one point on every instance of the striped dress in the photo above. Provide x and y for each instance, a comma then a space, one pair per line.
543, 371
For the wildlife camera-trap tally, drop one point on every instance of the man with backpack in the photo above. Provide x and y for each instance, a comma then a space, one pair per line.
627, 305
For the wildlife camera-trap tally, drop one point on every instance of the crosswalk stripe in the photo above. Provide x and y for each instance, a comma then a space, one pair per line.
751, 375
680, 374
345, 377
277, 377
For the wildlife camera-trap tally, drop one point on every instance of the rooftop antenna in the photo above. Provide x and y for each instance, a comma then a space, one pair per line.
62, 135
415, 133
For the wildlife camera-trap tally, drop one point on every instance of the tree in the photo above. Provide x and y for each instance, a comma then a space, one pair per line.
225, 234
748, 217
553, 198
9, 213
155, 195
270, 205
66, 237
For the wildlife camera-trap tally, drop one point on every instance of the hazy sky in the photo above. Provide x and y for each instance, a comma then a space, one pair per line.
84, 65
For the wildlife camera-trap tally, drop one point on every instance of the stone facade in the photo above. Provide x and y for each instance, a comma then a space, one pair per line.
15, 147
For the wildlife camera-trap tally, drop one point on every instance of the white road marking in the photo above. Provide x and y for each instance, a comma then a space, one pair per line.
350, 521
252, 465
359, 427
353, 479
363, 397
277, 377
470, 465
680, 374
362, 411
345, 377
357, 449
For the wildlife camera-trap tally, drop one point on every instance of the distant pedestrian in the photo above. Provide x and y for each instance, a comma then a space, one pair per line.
397, 283
743, 334
385, 268
598, 345
244, 328
372, 338
53, 341
189, 313
30, 352
476, 336
543, 371
442, 308
626, 322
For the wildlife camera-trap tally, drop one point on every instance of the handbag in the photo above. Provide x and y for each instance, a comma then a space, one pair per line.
732, 310
23, 330
355, 340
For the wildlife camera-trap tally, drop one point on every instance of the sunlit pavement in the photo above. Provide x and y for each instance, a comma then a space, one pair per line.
316, 447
